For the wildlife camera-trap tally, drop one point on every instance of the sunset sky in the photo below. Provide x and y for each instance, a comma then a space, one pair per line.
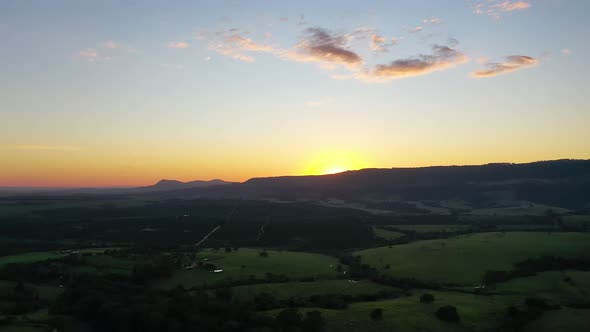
100, 93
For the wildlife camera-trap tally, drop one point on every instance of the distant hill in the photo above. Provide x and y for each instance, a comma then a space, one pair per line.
560, 182
174, 184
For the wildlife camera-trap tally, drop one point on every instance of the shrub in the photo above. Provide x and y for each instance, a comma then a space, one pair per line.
427, 298
377, 314
448, 313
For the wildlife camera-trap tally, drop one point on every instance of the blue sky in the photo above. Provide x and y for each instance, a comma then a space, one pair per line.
111, 93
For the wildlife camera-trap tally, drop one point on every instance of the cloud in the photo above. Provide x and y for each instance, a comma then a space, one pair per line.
566, 51
111, 44
511, 63
45, 147
432, 20
91, 55
377, 42
416, 29
325, 47
233, 43
178, 45
332, 50
495, 8
442, 57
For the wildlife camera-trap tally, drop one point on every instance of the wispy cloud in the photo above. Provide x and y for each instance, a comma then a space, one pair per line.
566, 51
377, 41
234, 43
41, 147
495, 8
178, 44
442, 57
416, 29
89, 54
512, 63
333, 51
324, 47
432, 20
111, 44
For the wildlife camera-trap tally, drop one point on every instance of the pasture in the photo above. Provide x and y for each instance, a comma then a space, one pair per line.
246, 263
387, 235
563, 287
566, 319
284, 291
464, 259
478, 313
432, 228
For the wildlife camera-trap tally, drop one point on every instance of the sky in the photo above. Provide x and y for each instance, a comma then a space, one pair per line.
124, 93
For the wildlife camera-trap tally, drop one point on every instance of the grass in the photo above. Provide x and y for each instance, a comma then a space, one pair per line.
518, 208
385, 234
478, 313
29, 257
284, 291
566, 319
246, 262
551, 285
46, 292
577, 220
32, 257
465, 259
109, 264
432, 228
22, 328
10, 208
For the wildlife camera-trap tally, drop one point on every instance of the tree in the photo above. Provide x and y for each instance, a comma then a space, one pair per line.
289, 317
427, 298
263, 253
313, 321
448, 313
377, 314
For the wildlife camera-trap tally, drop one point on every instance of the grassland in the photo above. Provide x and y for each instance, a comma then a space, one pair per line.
566, 319
385, 234
284, 291
517, 208
465, 259
32, 257
432, 228
29, 257
478, 313
10, 208
246, 263
563, 287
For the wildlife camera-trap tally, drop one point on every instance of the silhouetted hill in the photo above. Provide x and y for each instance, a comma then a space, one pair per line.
174, 184
561, 182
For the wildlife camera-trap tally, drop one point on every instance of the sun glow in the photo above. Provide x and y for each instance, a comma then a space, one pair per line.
334, 170
334, 161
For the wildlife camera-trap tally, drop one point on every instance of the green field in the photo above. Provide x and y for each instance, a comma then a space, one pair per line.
577, 220
385, 234
432, 228
517, 208
284, 291
465, 259
566, 319
478, 313
32, 257
559, 286
246, 262
16, 208
28, 257
22, 328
